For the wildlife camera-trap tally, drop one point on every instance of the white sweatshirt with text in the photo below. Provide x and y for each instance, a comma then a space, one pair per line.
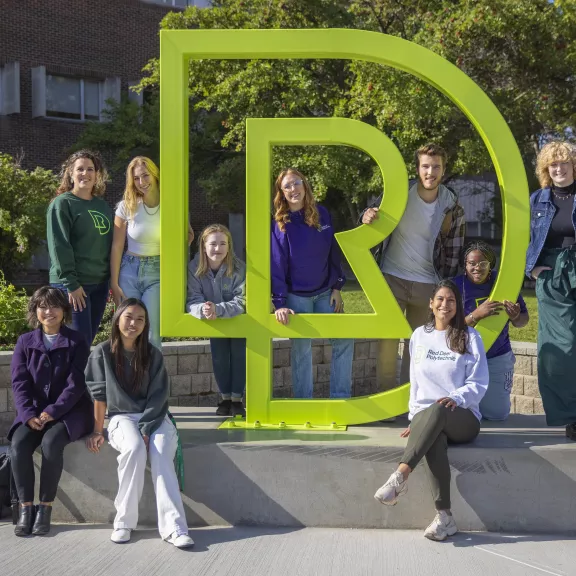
437, 372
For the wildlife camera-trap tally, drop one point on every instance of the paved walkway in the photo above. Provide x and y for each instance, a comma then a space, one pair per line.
72, 550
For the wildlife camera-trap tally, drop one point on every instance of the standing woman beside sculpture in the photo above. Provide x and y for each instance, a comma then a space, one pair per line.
551, 261
79, 231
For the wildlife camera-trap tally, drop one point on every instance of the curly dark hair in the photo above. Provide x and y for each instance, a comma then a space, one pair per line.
48, 297
66, 172
474, 245
457, 332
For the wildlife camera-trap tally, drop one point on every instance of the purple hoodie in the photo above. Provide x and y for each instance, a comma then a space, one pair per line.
305, 261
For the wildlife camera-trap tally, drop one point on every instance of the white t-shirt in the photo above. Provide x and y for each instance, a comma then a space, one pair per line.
437, 372
143, 230
408, 254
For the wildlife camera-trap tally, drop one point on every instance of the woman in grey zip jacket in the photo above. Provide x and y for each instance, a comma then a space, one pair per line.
216, 289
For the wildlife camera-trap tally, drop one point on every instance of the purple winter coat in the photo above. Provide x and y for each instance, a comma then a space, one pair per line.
52, 381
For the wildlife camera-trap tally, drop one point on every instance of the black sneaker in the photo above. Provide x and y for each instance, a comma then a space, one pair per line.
571, 431
238, 409
224, 408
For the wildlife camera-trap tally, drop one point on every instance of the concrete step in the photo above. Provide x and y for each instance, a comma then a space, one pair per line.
516, 477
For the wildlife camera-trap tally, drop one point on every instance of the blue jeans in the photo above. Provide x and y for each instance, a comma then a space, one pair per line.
496, 402
229, 364
301, 352
140, 278
87, 321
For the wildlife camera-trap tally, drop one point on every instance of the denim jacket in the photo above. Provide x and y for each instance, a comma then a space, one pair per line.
542, 212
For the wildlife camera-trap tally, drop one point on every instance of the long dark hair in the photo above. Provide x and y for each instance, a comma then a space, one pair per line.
457, 332
141, 359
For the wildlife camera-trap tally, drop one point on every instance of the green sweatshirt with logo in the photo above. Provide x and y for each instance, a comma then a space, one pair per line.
79, 240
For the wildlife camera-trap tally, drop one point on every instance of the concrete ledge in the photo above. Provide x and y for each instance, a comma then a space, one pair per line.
518, 477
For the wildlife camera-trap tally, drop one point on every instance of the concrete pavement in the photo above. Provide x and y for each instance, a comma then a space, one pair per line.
75, 550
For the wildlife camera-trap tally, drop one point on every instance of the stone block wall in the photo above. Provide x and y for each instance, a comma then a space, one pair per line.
192, 382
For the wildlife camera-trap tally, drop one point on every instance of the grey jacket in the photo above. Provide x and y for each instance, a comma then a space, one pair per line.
152, 398
228, 293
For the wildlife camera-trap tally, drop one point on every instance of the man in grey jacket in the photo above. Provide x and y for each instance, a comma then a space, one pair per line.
423, 249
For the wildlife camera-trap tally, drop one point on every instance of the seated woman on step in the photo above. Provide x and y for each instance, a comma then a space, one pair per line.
126, 375
53, 407
448, 377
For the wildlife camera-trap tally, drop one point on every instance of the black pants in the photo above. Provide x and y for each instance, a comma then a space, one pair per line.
53, 438
430, 432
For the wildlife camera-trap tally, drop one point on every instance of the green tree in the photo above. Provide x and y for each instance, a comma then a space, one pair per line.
24, 198
521, 52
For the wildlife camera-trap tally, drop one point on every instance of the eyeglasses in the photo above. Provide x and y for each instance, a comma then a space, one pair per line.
291, 185
484, 265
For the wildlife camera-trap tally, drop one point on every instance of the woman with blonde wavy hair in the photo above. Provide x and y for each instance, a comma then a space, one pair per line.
551, 261
216, 289
307, 278
79, 231
136, 273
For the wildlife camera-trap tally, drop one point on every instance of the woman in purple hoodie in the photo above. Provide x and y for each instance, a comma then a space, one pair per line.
307, 278
53, 406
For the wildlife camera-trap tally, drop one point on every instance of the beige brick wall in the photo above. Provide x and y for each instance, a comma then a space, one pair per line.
192, 383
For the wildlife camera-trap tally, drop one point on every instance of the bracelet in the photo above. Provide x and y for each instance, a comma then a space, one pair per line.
472, 317
97, 433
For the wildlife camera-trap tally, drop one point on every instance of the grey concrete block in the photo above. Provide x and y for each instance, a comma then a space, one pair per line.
523, 365
3, 399
534, 365
358, 369
518, 384
173, 400
188, 364
208, 400
287, 376
361, 350
201, 383
531, 386
180, 385
326, 355
323, 373
321, 390
374, 349
278, 377
524, 405
538, 406
281, 358
170, 348
284, 343
317, 354
171, 364
370, 368
362, 387
5, 377
283, 392
191, 400
6, 421
5, 358
204, 363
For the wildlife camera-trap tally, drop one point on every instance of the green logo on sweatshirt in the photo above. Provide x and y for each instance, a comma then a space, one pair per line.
101, 222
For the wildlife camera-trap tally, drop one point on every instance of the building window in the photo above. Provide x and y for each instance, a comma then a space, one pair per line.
10, 88
72, 98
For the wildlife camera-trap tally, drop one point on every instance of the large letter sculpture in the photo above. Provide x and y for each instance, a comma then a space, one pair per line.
259, 325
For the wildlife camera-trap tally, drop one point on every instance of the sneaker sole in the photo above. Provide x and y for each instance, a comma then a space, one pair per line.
432, 537
391, 502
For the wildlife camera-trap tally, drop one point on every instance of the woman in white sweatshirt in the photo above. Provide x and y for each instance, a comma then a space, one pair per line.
448, 377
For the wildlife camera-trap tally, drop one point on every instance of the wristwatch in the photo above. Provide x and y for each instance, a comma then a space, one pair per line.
471, 316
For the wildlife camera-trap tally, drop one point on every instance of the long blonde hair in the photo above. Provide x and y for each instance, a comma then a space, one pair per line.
101, 174
203, 265
281, 207
131, 194
556, 151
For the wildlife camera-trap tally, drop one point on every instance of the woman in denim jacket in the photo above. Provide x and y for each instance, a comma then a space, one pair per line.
551, 261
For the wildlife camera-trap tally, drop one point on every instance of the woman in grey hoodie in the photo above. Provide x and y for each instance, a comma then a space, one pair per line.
216, 289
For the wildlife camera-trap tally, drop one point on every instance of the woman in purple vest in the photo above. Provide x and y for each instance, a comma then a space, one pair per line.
53, 406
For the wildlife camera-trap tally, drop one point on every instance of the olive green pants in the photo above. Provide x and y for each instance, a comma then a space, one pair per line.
556, 294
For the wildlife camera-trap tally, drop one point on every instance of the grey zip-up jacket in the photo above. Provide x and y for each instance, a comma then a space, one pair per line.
228, 293
151, 400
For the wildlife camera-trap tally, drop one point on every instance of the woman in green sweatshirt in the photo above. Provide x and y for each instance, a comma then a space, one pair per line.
79, 231
127, 377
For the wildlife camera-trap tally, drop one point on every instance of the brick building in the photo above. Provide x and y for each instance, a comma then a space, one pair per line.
60, 60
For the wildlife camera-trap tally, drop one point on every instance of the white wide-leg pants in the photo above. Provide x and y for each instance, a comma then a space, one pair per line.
124, 436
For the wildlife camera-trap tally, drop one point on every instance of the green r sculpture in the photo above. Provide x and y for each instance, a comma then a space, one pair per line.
259, 325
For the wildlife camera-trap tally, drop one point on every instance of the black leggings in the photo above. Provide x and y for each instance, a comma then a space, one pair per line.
53, 438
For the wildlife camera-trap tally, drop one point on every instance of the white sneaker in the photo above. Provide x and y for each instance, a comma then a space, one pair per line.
180, 540
395, 486
121, 535
442, 526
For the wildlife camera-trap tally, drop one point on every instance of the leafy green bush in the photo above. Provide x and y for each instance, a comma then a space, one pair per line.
24, 198
13, 305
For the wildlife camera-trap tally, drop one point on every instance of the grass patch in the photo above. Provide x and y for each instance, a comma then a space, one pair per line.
355, 302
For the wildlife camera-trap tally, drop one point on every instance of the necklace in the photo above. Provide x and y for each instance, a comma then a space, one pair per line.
563, 196
150, 213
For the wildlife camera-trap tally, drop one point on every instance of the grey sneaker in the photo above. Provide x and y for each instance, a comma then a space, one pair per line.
395, 486
442, 526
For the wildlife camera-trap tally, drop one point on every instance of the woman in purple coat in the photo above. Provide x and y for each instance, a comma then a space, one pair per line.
52, 402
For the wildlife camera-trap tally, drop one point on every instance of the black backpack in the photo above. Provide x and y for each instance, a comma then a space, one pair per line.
8, 494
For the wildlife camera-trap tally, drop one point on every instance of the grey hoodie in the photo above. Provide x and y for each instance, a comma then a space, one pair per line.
228, 293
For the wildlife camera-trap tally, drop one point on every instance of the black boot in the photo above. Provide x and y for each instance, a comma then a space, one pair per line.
25, 521
571, 431
42, 522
